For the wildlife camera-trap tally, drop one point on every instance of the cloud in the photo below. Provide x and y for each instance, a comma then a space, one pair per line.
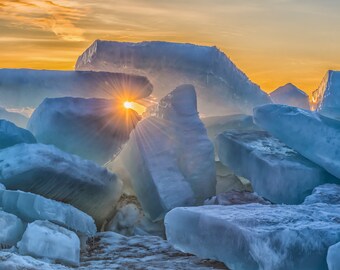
57, 16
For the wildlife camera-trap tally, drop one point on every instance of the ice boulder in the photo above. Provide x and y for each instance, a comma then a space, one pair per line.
43, 239
169, 156
11, 229
333, 257
314, 136
52, 173
94, 129
255, 236
289, 94
30, 207
17, 118
28, 88
221, 87
11, 135
276, 172
326, 97
328, 193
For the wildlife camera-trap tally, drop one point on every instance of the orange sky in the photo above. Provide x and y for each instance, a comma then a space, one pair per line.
272, 41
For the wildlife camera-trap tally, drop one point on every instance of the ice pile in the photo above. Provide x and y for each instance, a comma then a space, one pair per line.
326, 99
169, 156
277, 172
221, 87
333, 258
94, 129
255, 236
47, 171
11, 135
31, 87
15, 117
235, 197
289, 94
314, 136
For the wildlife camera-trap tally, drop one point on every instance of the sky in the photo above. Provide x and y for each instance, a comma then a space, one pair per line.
273, 41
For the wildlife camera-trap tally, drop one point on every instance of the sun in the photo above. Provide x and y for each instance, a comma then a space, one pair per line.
127, 105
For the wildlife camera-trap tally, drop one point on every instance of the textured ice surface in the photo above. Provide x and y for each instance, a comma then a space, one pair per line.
312, 135
326, 99
43, 239
328, 193
169, 156
255, 236
235, 197
26, 87
17, 118
11, 229
47, 171
289, 94
221, 87
333, 257
94, 129
275, 171
10, 134
30, 207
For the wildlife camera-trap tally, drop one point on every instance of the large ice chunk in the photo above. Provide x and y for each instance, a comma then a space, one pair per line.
333, 257
289, 94
94, 129
47, 171
17, 118
326, 97
328, 193
257, 237
11, 229
276, 171
26, 87
10, 135
221, 87
169, 156
312, 135
30, 207
43, 239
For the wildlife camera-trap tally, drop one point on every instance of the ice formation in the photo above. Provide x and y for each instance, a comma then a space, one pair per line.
44, 239
328, 193
31, 87
312, 135
221, 87
30, 207
333, 257
169, 156
47, 171
11, 229
290, 95
17, 118
255, 236
94, 129
11, 135
235, 197
277, 172
326, 99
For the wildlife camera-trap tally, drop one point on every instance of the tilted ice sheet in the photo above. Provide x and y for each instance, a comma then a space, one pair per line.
30, 207
52, 173
257, 237
314, 136
43, 239
221, 87
275, 171
94, 129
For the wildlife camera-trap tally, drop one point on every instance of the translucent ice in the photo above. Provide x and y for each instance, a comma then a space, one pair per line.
43, 239
10, 134
221, 87
17, 118
276, 172
94, 129
47, 171
312, 135
11, 229
255, 236
30, 207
